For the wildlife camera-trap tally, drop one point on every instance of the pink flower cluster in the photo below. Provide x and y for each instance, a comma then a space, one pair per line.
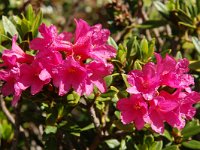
77, 62
159, 93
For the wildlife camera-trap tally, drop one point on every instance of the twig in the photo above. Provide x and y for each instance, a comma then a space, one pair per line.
95, 119
6, 111
96, 123
8, 114
14, 121
17, 130
145, 18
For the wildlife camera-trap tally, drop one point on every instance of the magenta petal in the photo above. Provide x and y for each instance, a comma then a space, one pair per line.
132, 90
100, 84
139, 123
38, 44
82, 28
156, 122
44, 75
167, 106
127, 117
175, 120
36, 87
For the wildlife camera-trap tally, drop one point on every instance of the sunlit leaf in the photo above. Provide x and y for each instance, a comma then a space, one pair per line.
193, 144
9, 27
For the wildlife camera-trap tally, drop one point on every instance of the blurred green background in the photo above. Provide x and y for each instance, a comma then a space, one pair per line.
173, 26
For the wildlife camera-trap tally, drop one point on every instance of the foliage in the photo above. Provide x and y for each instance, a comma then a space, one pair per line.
138, 28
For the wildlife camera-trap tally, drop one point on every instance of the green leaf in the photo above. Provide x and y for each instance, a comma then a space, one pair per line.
196, 43
187, 25
6, 131
144, 48
188, 45
73, 98
193, 144
109, 93
179, 55
25, 26
147, 3
124, 127
167, 135
195, 65
112, 143
150, 24
192, 128
75, 133
30, 15
198, 6
171, 147
121, 54
124, 77
112, 42
100, 104
90, 126
161, 8
37, 23
132, 47
9, 27
109, 80
148, 139
151, 47
137, 65
183, 16
123, 145
156, 145
50, 129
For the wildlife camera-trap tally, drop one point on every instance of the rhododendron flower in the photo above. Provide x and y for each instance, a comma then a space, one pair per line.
186, 101
133, 109
145, 81
165, 88
161, 110
174, 74
11, 76
96, 73
51, 40
50, 61
97, 37
77, 63
70, 74
34, 76
16, 54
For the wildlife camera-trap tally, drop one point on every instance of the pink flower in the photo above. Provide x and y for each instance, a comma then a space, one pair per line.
162, 109
186, 101
51, 40
145, 81
34, 76
50, 61
11, 77
174, 74
96, 73
153, 83
70, 74
93, 41
133, 109
15, 55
